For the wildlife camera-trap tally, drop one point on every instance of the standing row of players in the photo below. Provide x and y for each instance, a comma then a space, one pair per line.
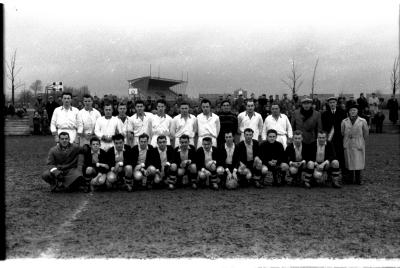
87, 123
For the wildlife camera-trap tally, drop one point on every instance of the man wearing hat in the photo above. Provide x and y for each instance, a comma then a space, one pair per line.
307, 120
331, 123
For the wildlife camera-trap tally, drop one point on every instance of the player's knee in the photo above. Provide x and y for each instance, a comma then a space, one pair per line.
202, 175
192, 168
111, 177
173, 167
293, 170
310, 165
335, 164
264, 170
137, 175
151, 171
90, 171
181, 172
128, 171
284, 167
220, 171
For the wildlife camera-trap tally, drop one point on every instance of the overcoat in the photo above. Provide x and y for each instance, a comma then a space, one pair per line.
309, 126
354, 136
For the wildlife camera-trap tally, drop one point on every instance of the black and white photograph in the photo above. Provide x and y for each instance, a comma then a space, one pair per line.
201, 133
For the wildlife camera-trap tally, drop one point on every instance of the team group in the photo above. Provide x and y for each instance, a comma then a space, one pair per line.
157, 151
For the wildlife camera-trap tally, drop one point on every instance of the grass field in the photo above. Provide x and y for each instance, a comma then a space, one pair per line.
355, 221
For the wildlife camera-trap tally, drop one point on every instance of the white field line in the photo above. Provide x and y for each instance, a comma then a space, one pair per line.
53, 249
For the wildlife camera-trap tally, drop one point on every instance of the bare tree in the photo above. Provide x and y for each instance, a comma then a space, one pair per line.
293, 81
12, 72
394, 77
313, 78
36, 87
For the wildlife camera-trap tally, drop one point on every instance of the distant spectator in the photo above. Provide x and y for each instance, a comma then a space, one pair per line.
59, 101
316, 103
50, 107
39, 105
296, 101
179, 100
378, 120
393, 107
366, 115
239, 105
350, 102
148, 105
36, 123
45, 124
218, 103
276, 101
373, 102
285, 104
10, 110
362, 102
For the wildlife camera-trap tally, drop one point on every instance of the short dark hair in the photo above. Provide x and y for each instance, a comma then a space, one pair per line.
206, 139
228, 131
272, 131
185, 137
94, 139
225, 101
122, 103
118, 137
249, 100
66, 93
108, 103
86, 96
298, 132
322, 132
161, 101
161, 137
184, 103
144, 135
139, 102
276, 105
248, 130
206, 101
63, 134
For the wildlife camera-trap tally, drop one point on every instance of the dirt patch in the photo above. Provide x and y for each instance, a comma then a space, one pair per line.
356, 221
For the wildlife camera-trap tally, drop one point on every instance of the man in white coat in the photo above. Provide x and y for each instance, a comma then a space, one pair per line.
87, 118
354, 131
208, 124
280, 123
106, 127
250, 119
65, 119
160, 124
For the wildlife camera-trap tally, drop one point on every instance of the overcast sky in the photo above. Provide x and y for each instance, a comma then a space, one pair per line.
222, 45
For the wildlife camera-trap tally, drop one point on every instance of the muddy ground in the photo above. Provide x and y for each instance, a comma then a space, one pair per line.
356, 221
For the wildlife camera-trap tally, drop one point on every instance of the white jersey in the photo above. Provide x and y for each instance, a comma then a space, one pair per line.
139, 126
160, 126
282, 126
65, 120
208, 127
106, 127
86, 123
255, 123
181, 126
124, 128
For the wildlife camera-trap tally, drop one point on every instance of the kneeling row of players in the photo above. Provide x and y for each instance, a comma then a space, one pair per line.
228, 166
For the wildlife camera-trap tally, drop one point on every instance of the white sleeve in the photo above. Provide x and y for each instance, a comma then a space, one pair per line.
53, 123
